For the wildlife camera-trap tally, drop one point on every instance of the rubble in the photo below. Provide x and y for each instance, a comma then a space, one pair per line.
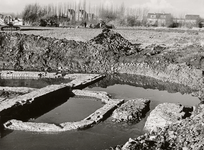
131, 111
165, 114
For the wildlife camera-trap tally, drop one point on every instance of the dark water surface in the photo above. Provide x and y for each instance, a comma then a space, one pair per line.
104, 134
75, 109
124, 91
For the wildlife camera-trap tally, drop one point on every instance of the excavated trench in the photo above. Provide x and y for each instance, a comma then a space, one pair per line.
108, 53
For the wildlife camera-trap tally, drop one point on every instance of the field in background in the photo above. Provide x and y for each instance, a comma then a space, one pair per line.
135, 35
61, 33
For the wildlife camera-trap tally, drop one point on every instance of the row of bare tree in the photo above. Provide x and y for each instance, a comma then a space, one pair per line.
119, 15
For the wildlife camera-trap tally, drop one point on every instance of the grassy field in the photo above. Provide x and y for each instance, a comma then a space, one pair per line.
134, 35
61, 33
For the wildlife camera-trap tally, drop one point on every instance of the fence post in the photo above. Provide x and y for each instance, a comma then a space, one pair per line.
1, 127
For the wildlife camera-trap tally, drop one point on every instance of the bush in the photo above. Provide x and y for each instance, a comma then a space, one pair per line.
201, 24
131, 21
119, 22
174, 25
32, 13
107, 15
43, 22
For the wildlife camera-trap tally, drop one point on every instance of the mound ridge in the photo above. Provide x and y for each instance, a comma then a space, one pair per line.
115, 42
32, 52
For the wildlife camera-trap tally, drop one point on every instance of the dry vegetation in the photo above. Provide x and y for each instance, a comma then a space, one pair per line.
134, 35
61, 33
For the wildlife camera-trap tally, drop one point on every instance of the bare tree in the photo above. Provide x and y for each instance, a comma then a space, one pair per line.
84, 5
121, 10
145, 12
31, 13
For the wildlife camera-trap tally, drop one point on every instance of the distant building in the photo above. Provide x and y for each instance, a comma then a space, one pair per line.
1, 16
71, 14
159, 19
6, 18
91, 16
180, 21
192, 20
81, 15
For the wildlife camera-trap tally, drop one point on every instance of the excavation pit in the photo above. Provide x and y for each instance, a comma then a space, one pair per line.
100, 135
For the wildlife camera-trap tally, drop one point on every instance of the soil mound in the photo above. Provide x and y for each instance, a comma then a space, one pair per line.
115, 42
31, 52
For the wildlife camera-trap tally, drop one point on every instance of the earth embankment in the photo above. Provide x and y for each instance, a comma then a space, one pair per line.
108, 52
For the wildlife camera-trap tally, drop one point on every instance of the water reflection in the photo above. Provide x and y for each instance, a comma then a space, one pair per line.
142, 81
125, 86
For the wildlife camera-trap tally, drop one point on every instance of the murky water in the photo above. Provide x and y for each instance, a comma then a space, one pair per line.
75, 109
104, 134
124, 91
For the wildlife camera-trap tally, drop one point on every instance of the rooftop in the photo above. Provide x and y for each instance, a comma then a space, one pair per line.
192, 17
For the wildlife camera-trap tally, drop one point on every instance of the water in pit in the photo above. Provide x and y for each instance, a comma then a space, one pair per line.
75, 109
106, 133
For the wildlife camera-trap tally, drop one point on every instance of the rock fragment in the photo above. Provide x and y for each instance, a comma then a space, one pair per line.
132, 111
164, 115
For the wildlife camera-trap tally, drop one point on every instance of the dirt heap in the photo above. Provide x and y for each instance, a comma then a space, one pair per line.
115, 43
31, 52
108, 49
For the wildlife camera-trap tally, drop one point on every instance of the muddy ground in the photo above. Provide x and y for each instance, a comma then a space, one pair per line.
176, 58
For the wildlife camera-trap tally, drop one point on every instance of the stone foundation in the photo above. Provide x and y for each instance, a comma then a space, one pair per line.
92, 119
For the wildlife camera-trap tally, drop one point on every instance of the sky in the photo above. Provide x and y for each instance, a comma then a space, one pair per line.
176, 7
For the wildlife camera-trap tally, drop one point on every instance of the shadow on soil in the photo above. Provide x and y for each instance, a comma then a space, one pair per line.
38, 107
